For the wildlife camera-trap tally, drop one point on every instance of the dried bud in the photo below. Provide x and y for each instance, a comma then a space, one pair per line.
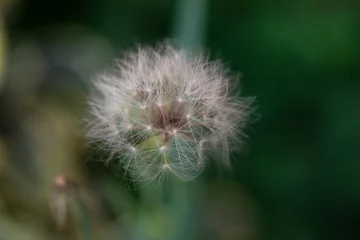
162, 110
64, 191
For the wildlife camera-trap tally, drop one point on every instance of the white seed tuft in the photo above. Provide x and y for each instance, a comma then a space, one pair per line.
165, 99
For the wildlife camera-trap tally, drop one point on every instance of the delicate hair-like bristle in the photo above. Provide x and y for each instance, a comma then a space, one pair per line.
164, 110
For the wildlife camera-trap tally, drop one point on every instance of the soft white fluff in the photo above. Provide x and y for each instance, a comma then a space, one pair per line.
163, 110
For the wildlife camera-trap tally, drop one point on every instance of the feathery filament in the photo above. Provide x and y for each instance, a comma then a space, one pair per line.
163, 111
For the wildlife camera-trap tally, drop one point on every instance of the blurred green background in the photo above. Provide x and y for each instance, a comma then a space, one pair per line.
297, 176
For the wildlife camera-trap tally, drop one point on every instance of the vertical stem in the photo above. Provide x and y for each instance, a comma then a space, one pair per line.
189, 26
181, 199
189, 32
185, 202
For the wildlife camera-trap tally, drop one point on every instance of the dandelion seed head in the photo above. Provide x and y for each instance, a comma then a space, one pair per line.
164, 99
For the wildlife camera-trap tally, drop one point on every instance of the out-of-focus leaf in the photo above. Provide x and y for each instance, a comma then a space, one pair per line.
57, 142
3, 157
229, 213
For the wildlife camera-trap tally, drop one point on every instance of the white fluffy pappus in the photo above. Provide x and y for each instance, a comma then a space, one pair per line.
163, 110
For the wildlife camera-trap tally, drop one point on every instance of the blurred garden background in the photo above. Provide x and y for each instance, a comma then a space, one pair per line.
296, 177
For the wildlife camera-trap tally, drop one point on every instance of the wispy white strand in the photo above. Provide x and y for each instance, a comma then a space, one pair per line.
163, 110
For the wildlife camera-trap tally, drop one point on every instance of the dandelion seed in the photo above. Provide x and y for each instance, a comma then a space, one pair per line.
151, 85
